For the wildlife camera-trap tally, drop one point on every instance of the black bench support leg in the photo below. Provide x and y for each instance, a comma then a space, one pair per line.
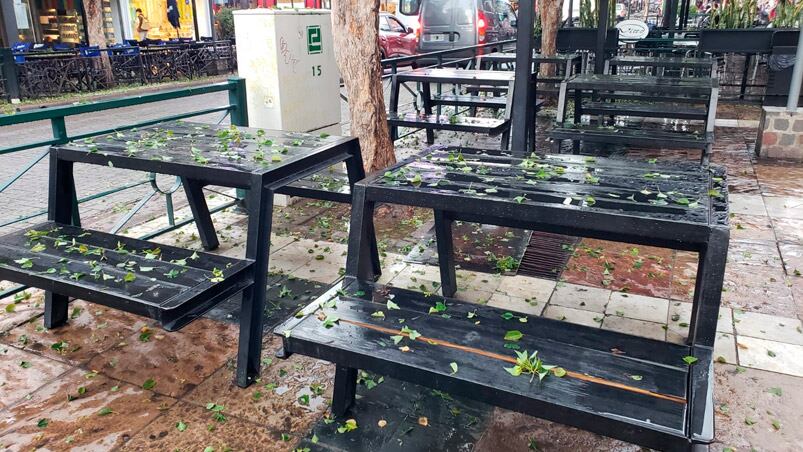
200, 211
426, 93
361, 235
443, 237
345, 390
356, 173
260, 209
55, 309
708, 289
62, 208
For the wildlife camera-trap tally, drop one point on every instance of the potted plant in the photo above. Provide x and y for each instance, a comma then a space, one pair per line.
730, 30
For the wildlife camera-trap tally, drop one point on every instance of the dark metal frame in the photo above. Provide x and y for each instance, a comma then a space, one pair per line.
708, 235
261, 187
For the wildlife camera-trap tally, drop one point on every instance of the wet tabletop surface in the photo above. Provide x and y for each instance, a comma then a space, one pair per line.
510, 57
683, 85
638, 60
238, 149
673, 191
447, 75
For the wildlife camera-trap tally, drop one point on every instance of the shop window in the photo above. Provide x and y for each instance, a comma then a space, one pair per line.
156, 13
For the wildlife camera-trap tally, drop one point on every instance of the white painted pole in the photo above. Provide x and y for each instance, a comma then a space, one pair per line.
797, 72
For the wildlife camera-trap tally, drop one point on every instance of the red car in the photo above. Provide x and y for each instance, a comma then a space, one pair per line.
394, 39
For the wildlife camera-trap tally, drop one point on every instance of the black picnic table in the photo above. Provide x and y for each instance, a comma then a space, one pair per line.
653, 393
476, 81
644, 96
172, 285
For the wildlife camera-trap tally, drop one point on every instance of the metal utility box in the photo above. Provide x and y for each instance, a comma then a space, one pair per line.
288, 62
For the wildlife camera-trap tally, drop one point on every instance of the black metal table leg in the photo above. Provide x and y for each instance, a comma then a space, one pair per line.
708, 289
426, 94
356, 173
361, 233
61, 196
394, 105
260, 211
578, 116
200, 211
345, 390
443, 237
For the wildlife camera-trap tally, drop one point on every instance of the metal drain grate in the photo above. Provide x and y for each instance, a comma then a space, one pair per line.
546, 256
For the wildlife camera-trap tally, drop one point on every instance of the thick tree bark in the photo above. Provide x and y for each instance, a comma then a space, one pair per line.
550, 22
96, 36
355, 24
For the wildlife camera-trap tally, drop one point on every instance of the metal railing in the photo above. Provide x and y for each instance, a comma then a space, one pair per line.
235, 109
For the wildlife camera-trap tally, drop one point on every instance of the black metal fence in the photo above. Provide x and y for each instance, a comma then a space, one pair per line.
40, 74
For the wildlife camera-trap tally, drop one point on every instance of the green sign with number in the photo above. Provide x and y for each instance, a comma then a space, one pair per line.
314, 44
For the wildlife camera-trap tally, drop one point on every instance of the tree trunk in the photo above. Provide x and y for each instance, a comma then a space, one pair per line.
551, 11
355, 24
96, 36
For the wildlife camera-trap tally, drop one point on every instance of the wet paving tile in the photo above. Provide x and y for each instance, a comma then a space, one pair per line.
515, 432
780, 180
190, 427
22, 372
684, 275
748, 204
580, 297
788, 230
770, 355
770, 327
288, 397
640, 270
748, 401
753, 252
91, 329
516, 304
20, 309
635, 327
759, 289
176, 362
751, 227
63, 416
792, 256
784, 207
638, 307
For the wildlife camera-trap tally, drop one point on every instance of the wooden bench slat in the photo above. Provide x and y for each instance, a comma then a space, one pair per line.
601, 382
640, 137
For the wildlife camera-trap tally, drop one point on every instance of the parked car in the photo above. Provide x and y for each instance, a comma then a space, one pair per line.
448, 24
396, 40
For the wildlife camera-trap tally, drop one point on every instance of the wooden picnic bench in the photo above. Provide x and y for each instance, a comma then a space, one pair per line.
168, 284
640, 96
653, 393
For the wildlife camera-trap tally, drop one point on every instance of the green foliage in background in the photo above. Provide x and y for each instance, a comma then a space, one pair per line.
786, 14
226, 20
734, 14
588, 15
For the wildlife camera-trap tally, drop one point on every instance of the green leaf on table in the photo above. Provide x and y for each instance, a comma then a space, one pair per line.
559, 372
129, 277
520, 199
348, 426
38, 248
636, 377
330, 321
396, 339
378, 315
513, 335
391, 305
24, 262
453, 365
689, 360
413, 334
507, 315
439, 307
